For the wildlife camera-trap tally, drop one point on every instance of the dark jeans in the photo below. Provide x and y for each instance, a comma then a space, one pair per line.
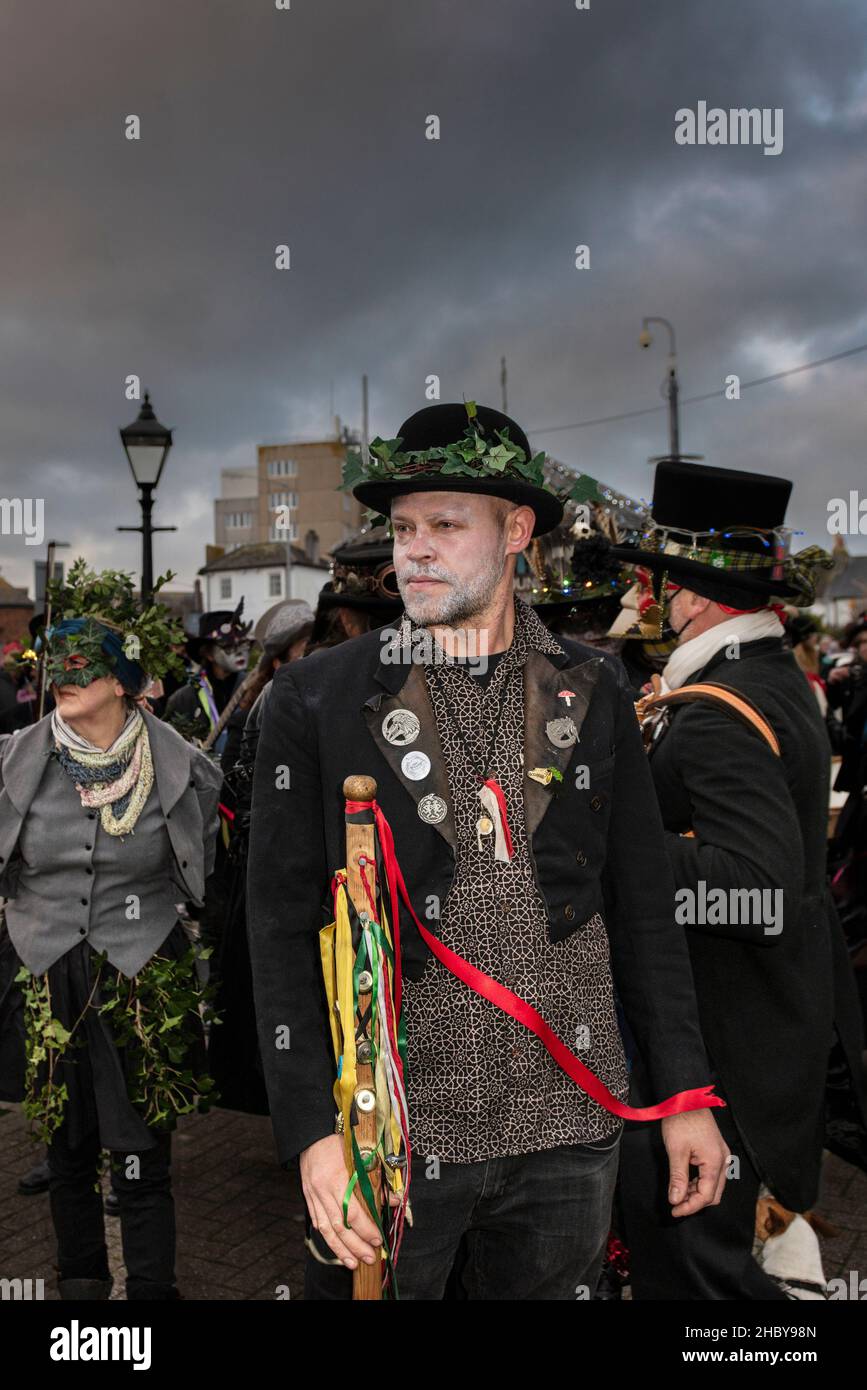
147, 1214
535, 1225
708, 1255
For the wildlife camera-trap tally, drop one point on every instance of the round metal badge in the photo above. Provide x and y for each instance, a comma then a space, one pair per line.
400, 727
415, 765
432, 809
561, 732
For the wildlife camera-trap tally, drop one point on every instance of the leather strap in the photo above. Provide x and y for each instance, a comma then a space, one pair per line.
730, 701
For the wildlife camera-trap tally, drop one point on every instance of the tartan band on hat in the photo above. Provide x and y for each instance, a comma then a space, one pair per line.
796, 572
692, 534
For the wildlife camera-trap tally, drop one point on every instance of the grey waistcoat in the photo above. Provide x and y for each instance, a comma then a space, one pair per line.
67, 880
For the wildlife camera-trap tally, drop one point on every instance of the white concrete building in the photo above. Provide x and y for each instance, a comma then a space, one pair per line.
257, 573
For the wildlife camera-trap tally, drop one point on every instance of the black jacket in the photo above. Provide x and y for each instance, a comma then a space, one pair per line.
852, 701
766, 1001
594, 848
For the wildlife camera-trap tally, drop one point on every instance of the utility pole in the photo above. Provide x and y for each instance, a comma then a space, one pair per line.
365, 423
670, 387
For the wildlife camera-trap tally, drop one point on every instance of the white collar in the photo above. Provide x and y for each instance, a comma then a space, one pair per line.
694, 655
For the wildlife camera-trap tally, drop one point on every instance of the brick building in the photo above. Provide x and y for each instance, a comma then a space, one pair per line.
16, 610
301, 477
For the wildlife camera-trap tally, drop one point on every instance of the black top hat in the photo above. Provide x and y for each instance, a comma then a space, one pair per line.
438, 426
719, 532
222, 625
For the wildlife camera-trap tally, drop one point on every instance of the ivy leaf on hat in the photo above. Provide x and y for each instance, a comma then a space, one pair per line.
500, 456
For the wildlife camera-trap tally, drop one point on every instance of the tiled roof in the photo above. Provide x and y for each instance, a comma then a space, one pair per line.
265, 555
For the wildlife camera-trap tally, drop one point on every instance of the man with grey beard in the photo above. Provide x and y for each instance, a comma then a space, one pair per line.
510, 768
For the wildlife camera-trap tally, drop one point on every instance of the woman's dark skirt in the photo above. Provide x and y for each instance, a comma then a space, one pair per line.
95, 1072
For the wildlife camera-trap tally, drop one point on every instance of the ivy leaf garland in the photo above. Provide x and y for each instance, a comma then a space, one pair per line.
46, 1040
156, 1019
472, 456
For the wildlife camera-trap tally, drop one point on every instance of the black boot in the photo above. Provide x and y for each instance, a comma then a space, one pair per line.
81, 1290
35, 1181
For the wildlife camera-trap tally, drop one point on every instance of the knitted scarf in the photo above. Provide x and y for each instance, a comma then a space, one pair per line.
117, 780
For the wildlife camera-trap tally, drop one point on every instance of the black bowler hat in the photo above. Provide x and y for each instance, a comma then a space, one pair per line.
438, 428
720, 532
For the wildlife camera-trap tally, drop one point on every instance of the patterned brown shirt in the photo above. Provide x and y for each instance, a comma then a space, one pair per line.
480, 1085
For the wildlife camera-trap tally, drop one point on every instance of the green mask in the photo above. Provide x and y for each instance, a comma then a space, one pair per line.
77, 658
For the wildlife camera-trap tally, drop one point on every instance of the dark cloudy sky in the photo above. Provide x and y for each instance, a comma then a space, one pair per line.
412, 257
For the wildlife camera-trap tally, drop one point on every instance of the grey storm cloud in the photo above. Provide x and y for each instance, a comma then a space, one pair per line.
410, 256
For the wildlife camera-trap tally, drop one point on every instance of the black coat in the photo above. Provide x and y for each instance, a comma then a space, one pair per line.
766, 1001
853, 704
598, 848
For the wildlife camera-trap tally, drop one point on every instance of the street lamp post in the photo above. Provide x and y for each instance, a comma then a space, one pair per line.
670, 386
146, 444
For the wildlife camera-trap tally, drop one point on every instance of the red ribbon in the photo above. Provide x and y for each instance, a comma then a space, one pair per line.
501, 802
777, 608
700, 1099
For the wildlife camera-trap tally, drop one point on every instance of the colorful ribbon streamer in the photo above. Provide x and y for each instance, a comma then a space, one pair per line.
503, 998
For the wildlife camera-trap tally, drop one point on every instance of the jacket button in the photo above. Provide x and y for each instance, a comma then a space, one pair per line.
91, 815
82, 931
581, 857
88, 846
568, 912
183, 863
596, 803
88, 870
84, 902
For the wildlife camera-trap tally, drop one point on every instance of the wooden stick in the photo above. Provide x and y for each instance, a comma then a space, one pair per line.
360, 843
231, 705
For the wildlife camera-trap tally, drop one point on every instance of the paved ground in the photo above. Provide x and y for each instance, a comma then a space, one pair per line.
240, 1219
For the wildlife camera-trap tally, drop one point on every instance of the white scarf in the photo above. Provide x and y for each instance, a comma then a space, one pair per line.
694, 655
66, 735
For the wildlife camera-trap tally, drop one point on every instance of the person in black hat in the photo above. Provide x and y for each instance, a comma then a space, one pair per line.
208, 702
509, 766
741, 775
577, 583
223, 649
362, 592
283, 633
360, 595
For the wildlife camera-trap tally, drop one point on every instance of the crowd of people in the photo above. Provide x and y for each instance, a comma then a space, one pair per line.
617, 816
